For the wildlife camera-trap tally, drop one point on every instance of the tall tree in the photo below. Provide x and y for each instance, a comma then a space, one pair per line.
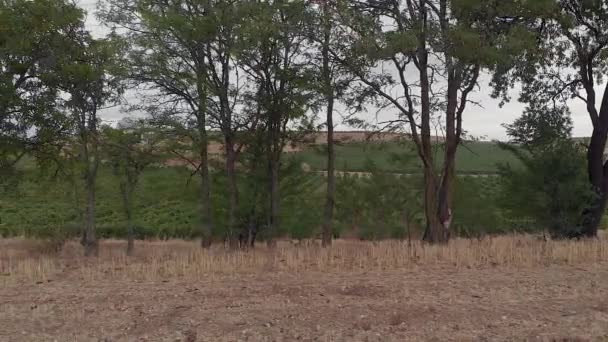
550, 186
328, 91
568, 63
170, 66
332, 82
90, 83
130, 149
423, 59
272, 54
229, 112
34, 39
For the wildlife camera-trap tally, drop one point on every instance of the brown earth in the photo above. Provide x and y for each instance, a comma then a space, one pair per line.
552, 304
441, 303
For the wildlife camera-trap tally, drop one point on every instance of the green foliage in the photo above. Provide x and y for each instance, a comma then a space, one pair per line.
384, 206
165, 205
477, 208
552, 187
129, 150
271, 51
379, 206
36, 42
540, 127
244, 66
301, 201
566, 35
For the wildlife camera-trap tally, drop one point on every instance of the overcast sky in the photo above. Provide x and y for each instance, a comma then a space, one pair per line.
482, 122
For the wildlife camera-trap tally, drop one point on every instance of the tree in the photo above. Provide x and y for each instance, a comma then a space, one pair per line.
255, 206
170, 61
551, 187
329, 93
567, 62
54, 78
332, 82
130, 149
229, 112
423, 59
272, 54
90, 82
34, 39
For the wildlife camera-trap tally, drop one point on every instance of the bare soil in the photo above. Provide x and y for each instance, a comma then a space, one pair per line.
553, 303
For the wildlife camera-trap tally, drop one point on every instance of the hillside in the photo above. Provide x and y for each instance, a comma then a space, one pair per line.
358, 151
394, 156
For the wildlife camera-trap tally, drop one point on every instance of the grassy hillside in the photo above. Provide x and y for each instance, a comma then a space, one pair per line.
473, 157
167, 199
166, 203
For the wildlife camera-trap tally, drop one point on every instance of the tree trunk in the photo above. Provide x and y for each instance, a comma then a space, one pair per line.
206, 220
434, 230
598, 177
126, 201
597, 168
78, 207
438, 229
253, 221
130, 236
201, 121
273, 227
90, 159
233, 194
91, 245
452, 138
331, 179
252, 227
445, 201
328, 217
592, 217
274, 150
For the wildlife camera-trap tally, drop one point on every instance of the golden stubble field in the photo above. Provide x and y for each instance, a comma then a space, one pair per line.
494, 289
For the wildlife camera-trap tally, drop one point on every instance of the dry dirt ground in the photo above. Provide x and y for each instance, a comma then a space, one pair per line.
554, 303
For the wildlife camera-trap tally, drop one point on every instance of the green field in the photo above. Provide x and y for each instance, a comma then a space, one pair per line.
473, 157
167, 199
166, 203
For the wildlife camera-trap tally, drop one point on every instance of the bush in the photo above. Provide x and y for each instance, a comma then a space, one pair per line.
476, 210
380, 206
552, 187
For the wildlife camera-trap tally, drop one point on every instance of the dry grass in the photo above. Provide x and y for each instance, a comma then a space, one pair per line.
25, 260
